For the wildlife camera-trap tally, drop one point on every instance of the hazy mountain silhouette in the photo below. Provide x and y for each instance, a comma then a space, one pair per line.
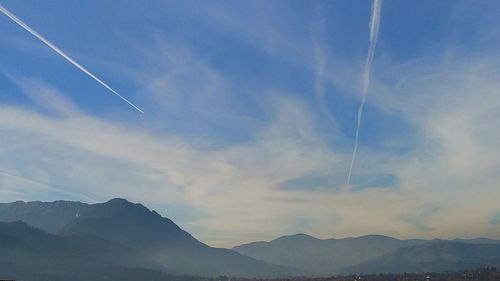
327, 256
119, 240
434, 256
133, 226
333, 256
28, 253
480, 240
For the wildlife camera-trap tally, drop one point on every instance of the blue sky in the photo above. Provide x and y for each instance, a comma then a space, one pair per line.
250, 113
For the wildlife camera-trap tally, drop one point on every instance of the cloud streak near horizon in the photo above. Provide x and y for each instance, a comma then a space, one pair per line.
374, 26
46, 186
64, 55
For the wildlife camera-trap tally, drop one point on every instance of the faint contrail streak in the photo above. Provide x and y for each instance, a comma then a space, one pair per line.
319, 83
374, 23
60, 52
44, 185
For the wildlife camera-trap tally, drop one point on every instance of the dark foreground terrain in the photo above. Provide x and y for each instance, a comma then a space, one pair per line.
485, 274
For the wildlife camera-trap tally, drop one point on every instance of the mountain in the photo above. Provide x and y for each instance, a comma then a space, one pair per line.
48, 216
327, 256
120, 240
433, 256
140, 231
481, 240
333, 256
28, 253
159, 238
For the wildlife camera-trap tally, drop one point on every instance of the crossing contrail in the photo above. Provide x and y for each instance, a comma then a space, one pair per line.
64, 55
374, 24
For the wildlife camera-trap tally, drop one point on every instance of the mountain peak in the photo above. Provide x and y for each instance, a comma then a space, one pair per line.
124, 203
118, 207
375, 236
121, 201
298, 236
302, 235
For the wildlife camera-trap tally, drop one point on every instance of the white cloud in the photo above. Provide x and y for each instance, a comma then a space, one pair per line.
102, 159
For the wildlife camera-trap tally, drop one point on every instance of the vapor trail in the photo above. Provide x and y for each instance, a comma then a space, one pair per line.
44, 185
374, 24
60, 52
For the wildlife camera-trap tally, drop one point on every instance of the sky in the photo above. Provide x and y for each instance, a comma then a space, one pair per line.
250, 114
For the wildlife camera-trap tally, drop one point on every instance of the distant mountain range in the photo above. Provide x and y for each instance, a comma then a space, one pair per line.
328, 256
120, 240
374, 254
433, 256
76, 238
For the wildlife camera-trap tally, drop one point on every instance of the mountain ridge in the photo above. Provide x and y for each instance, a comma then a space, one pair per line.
134, 226
48, 216
331, 255
432, 256
132, 229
